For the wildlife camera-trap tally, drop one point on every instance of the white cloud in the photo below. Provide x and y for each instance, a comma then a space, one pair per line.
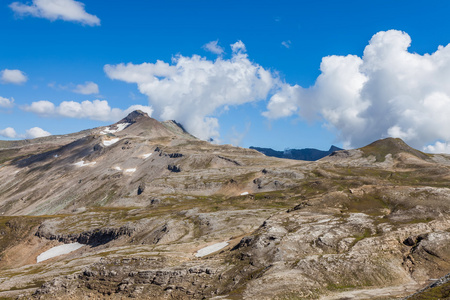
6, 103
87, 88
43, 108
36, 132
94, 110
389, 91
438, 147
13, 76
192, 89
8, 132
213, 47
238, 47
67, 10
286, 44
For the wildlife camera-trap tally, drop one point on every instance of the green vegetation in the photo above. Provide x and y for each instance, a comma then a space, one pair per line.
339, 286
438, 292
358, 237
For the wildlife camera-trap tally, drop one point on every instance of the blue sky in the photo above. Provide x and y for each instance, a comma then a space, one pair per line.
275, 89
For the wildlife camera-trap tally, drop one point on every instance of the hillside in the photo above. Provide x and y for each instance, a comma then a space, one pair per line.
151, 212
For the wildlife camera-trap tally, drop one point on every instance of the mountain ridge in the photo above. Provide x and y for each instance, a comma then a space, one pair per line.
308, 154
155, 210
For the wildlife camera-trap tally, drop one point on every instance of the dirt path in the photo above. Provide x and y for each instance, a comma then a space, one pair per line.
391, 292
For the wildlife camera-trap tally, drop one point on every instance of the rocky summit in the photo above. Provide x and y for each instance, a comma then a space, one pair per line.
142, 209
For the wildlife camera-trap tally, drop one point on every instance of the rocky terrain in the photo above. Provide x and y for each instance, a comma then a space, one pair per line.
145, 199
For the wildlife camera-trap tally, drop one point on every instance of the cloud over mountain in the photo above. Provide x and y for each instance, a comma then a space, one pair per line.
8, 132
192, 89
94, 110
36, 132
67, 10
389, 91
31, 133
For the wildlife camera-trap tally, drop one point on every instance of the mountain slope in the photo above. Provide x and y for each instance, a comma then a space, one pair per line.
393, 146
107, 166
160, 214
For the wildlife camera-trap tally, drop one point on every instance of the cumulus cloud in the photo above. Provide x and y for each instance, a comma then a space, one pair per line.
192, 89
12, 76
213, 47
67, 10
8, 132
87, 88
238, 47
94, 110
389, 91
31, 133
438, 147
36, 132
6, 103
43, 108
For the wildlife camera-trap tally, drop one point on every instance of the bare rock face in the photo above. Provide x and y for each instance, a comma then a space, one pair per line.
145, 198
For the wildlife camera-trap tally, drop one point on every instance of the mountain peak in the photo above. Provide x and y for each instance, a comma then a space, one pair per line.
134, 116
392, 146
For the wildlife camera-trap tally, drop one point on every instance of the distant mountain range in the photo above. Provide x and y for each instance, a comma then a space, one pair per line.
308, 154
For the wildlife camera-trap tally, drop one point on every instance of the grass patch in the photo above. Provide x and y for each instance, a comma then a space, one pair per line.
340, 287
438, 292
358, 237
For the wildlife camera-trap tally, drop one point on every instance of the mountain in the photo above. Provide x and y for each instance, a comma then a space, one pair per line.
307, 154
143, 209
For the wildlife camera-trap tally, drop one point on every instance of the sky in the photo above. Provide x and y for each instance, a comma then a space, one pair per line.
279, 74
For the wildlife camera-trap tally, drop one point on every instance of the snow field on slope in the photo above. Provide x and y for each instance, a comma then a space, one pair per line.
211, 249
110, 142
120, 127
58, 250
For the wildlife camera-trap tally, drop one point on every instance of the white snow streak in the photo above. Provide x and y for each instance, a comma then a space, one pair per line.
110, 142
83, 164
211, 249
58, 250
146, 155
130, 170
244, 193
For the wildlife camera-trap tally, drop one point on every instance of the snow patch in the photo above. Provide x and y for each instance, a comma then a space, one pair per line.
110, 142
120, 127
146, 155
83, 164
118, 168
244, 193
211, 249
58, 250
130, 170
